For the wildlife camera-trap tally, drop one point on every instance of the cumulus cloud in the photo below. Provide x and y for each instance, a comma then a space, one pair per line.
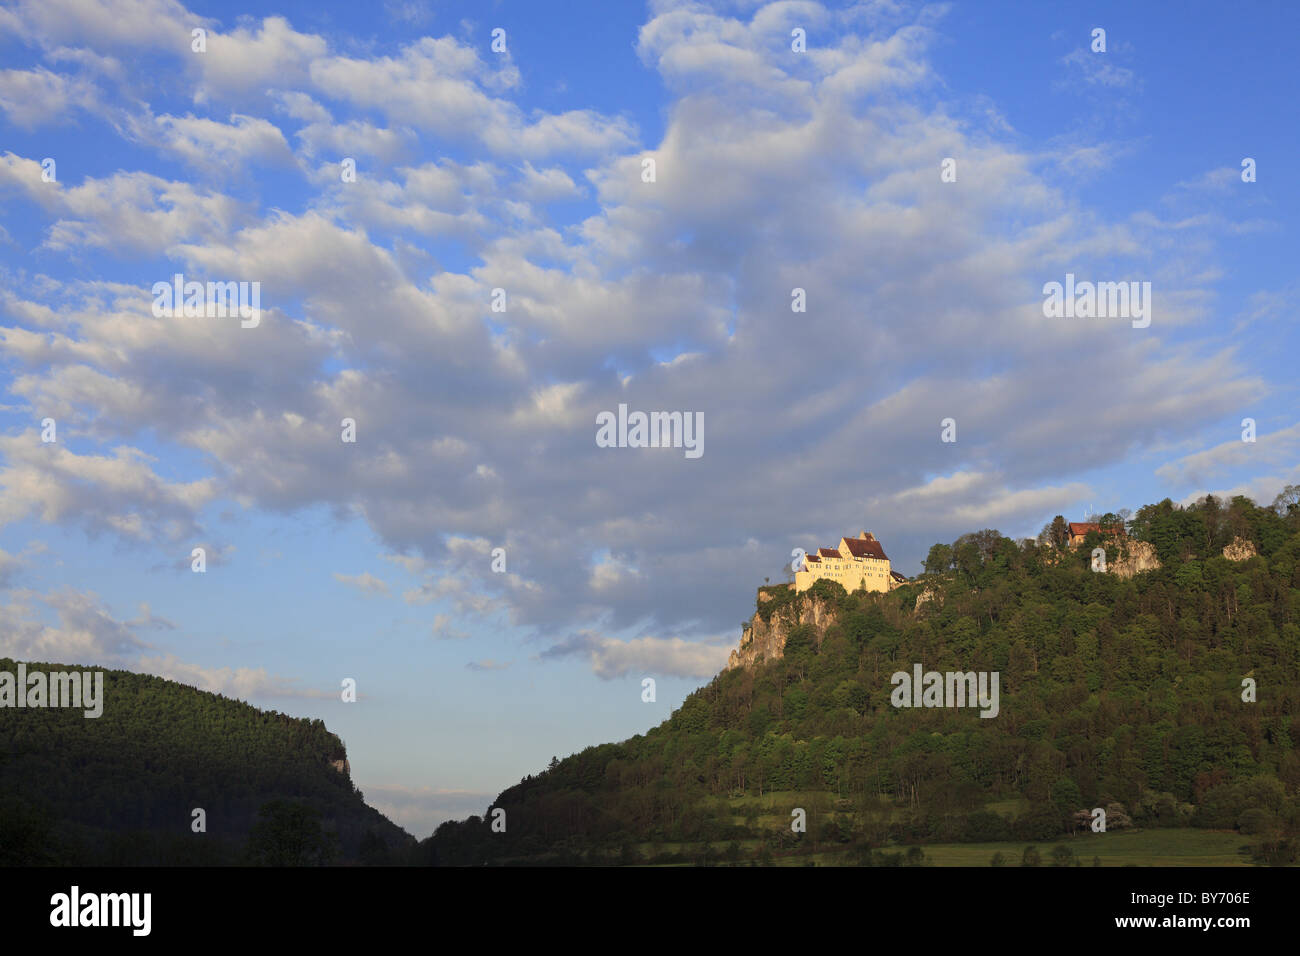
212, 145
32, 97
442, 86
117, 24
83, 630
546, 185
123, 212
118, 493
250, 60
670, 657
476, 427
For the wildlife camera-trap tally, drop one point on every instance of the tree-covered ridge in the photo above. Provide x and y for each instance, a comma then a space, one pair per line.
1121, 693
121, 788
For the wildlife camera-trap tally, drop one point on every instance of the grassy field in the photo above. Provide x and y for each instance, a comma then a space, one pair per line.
1182, 847
771, 811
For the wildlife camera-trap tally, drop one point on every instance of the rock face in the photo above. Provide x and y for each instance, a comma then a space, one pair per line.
1240, 550
1138, 556
932, 596
342, 766
765, 640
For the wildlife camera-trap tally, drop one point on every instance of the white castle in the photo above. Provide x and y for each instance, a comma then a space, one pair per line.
857, 564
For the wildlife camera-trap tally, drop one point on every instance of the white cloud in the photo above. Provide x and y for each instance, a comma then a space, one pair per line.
123, 212
546, 185
1218, 180
1099, 69
1270, 449
477, 428
247, 61
85, 632
657, 656
365, 582
244, 683
210, 145
30, 98
440, 86
120, 24
119, 492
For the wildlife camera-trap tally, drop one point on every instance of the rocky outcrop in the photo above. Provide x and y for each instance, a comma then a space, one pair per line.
342, 766
931, 596
765, 640
1240, 550
1134, 558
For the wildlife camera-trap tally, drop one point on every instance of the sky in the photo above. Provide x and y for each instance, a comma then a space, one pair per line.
522, 168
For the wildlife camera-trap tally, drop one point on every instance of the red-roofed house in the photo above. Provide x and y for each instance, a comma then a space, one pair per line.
1079, 530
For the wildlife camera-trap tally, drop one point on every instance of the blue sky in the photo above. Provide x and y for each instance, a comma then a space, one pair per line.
522, 170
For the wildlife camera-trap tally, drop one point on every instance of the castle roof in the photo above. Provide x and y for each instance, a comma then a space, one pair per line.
828, 552
869, 548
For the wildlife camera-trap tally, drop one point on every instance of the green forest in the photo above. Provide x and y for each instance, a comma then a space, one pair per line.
120, 789
1121, 693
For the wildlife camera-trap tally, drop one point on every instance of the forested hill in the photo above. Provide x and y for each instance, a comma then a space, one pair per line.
120, 789
1124, 693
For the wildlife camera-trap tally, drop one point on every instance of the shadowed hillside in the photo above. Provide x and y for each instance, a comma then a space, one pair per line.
120, 789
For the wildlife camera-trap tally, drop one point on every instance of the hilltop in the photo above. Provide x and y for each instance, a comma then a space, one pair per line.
120, 789
1118, 690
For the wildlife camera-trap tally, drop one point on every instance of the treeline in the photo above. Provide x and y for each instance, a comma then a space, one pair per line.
1124, 694
120, 789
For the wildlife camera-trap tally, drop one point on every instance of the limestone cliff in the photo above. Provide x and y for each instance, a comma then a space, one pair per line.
1240, 550
931, 596
1135, 557
1139, 556
765, 640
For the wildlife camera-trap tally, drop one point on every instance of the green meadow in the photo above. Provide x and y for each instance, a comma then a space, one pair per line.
1180, 847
